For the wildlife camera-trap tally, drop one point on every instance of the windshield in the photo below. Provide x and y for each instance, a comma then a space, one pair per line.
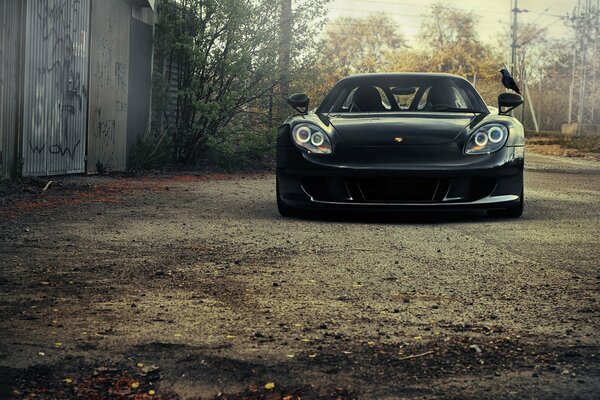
397, 93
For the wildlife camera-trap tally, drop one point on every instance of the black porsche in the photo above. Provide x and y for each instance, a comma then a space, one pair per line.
401, 142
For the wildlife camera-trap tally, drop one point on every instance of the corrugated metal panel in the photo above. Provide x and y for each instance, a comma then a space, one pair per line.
10, 87
164, 117
109, 76
140, 80
55, 101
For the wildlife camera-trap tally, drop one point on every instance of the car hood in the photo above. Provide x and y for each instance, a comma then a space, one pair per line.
416, 129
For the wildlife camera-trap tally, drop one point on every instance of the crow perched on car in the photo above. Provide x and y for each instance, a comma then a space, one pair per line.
508, 81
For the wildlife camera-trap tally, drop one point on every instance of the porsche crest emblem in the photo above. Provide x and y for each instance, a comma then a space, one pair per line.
398, 139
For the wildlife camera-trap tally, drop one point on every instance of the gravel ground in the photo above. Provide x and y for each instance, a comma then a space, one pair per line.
194, 287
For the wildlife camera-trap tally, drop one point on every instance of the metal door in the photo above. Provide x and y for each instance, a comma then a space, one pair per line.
55, 94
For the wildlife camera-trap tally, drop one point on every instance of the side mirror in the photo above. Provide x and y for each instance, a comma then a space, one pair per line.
510, 101
299, 102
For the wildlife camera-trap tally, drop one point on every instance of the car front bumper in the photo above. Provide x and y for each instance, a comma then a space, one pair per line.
492, 181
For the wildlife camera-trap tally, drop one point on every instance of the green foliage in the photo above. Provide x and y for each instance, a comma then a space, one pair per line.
243, 150
223, 57
101, 168
150, 151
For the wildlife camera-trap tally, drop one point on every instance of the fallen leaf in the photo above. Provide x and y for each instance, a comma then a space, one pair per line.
149, 368
270, 386
151, 392
135, 384
476, 348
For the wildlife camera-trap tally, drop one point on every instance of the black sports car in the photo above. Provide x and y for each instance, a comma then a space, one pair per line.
401, 141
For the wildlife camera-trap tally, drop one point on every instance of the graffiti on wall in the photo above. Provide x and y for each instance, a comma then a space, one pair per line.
59, 102
109, 94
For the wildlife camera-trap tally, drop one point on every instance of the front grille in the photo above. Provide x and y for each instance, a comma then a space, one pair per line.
397, 190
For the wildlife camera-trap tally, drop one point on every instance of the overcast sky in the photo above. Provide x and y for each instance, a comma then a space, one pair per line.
494, 15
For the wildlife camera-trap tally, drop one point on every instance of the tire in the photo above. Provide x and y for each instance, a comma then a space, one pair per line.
512, 212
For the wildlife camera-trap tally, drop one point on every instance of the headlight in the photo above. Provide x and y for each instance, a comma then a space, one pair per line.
487, 139
311, 138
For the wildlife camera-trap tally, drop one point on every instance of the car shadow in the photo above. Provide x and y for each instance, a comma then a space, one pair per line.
268, 210
397, 217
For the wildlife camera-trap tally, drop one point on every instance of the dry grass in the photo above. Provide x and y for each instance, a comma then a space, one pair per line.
582, 146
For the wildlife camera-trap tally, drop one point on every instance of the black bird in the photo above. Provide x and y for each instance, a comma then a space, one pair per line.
508, 81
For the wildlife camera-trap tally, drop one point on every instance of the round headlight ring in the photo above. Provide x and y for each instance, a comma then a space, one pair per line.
317, 139
303, 134
481, 139
495, 134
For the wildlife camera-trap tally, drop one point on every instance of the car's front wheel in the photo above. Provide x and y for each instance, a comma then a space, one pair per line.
512, 212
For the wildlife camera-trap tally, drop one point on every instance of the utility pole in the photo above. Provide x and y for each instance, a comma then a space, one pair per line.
515, 30
584, 52
533, 116
595, 60
285, 38
572, 87
540, 101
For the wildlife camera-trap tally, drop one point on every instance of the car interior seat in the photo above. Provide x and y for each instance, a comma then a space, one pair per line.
368, 99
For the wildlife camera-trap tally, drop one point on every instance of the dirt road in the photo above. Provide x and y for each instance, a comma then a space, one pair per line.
194, 287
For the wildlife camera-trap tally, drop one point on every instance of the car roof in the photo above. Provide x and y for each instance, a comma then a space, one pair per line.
384, 76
